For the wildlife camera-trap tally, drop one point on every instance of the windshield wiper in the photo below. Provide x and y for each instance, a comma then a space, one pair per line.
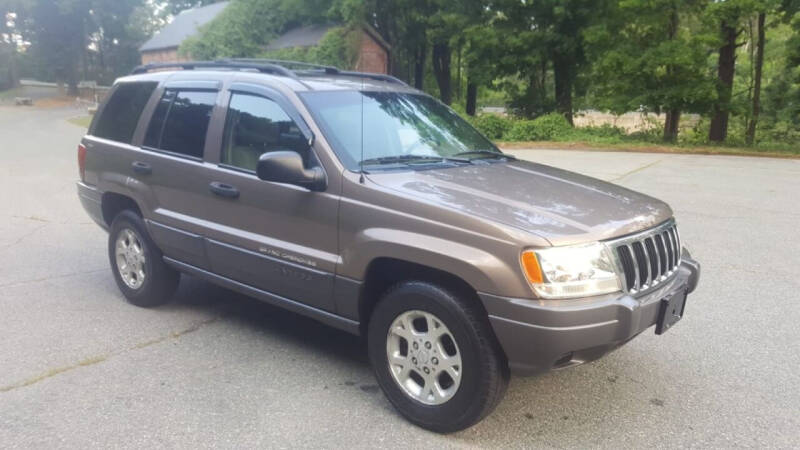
411, 159
486, 154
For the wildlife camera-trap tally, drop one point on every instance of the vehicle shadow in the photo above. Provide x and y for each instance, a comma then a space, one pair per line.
554, 409
290, 328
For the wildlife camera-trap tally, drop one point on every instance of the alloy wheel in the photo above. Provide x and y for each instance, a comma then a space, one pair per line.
423, 357
129, 253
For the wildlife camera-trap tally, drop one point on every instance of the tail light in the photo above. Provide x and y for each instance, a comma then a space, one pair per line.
82, 161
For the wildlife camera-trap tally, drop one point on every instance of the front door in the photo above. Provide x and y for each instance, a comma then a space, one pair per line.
276, 237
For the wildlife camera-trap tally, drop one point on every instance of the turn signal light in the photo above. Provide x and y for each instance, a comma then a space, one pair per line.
530, 265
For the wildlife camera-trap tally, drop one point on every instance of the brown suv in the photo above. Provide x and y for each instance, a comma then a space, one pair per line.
369, 206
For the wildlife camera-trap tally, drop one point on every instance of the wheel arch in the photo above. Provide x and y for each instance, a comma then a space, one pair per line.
112, 203
385, 272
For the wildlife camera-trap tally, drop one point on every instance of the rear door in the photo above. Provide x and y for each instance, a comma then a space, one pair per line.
276, 237
170, 161
109, 142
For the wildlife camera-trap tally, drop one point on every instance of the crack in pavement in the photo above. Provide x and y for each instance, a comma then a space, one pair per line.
35, 218
638, 169
103, 357
52, 277
23, 237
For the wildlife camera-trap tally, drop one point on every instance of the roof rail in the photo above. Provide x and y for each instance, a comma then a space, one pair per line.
373, 76
286, 63
271, 66
222, 64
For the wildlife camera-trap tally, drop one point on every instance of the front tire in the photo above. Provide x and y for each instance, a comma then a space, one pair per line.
435, 357
137, 264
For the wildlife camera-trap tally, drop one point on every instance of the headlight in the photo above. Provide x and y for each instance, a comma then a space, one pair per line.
574, 271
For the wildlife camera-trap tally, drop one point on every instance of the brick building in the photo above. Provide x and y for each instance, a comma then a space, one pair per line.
373, 51
163, 46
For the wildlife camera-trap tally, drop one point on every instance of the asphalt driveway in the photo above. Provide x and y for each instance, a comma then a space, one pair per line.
81, 368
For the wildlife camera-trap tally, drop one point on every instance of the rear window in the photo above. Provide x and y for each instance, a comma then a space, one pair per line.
180, 122
121, 114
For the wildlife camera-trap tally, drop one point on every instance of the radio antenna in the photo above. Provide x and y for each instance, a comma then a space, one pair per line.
361, 161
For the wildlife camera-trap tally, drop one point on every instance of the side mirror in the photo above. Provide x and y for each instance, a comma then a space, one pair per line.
287, 167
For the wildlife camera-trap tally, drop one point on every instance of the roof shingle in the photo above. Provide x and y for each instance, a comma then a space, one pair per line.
183, 26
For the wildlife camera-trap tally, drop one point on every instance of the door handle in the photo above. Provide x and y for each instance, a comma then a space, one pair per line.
223, 190
142, 167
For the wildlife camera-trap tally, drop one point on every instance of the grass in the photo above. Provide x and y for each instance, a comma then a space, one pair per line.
553, 131
10, 93
649, 147
81, 121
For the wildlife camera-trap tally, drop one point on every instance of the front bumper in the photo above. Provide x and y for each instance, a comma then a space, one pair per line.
540, 335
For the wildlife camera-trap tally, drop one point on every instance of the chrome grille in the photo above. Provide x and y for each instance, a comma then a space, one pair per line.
649, 258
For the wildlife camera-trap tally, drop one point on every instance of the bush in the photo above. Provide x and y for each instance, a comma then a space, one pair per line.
491, 125
543, 128
603, 131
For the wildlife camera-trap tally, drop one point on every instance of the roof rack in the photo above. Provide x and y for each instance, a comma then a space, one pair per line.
221, 64
285, 63
271, 66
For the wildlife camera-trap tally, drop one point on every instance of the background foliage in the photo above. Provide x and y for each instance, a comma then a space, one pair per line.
719, 71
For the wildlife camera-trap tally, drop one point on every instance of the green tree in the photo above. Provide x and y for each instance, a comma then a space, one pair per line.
557, 28
59, 35
245, 27
730, 17
647, 58
116, 33
11, 13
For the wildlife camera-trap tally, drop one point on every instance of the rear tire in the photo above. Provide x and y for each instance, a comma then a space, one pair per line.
137, 264
482, 374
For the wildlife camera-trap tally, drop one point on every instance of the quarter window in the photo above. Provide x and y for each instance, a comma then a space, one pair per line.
257, 125
120, 116
180, 122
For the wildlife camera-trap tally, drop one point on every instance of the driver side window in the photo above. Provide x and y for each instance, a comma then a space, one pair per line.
255, 125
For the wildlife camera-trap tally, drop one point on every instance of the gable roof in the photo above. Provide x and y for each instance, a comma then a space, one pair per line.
183, 26
310, 35
305, 36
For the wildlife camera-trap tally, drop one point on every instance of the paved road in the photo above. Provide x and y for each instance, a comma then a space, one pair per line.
81, 368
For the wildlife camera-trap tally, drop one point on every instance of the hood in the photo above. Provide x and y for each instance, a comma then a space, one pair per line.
563, 207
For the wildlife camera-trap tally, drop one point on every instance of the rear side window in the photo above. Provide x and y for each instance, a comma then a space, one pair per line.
180, 122
121, 114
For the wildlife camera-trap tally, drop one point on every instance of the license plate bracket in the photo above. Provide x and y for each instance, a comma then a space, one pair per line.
671, 311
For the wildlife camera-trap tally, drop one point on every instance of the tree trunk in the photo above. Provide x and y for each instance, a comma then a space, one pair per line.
13, 73
458, 73
671, 123
441, 70
472, 97
759, 65
562, 72
725, 70
419, 66
673, 115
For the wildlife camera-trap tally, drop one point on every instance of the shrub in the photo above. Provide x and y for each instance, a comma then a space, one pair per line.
522, 130
604, 131
491, 125
543, 128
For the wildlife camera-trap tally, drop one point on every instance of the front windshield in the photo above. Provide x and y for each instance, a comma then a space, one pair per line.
398, 129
